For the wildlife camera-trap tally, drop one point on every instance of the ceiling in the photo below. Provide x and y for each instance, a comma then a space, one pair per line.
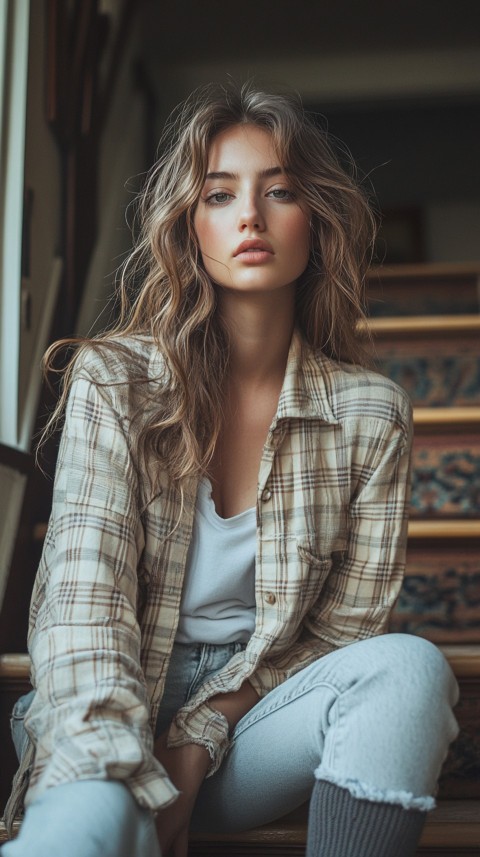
213, 30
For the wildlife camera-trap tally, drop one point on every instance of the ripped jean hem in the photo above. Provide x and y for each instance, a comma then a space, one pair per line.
366, 791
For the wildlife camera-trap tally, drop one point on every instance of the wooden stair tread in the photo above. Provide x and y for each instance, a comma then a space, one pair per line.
464, 659
448, 417
444, 529
452, 823
424, 324
15, 666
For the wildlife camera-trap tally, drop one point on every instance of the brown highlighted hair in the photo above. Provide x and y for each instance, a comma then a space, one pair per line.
165, 292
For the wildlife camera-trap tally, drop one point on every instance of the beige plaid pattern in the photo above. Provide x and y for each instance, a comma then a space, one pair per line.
331, 533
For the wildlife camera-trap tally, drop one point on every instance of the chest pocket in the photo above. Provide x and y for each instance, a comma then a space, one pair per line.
314, 571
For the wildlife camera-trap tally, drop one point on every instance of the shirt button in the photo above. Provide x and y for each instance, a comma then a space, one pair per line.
269, 597
266, 494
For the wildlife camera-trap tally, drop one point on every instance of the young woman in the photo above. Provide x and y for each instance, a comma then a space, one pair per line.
228, 529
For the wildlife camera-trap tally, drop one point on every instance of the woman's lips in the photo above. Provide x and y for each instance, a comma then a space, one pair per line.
253, 251
251, 244
254, 257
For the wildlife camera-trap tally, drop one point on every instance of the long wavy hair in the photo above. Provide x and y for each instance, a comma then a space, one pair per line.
166, 294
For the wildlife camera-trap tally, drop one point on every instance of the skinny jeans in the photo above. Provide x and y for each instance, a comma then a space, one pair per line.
374, 717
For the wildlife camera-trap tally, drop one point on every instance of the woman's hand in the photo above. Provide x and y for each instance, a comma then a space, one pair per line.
186, 767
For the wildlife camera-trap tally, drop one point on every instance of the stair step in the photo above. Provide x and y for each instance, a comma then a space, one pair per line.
464, 660
452, 829
440, 594
453, 825
446, 418
435, 358
444, 529
430, 289
447, 528
15, 667
427, 326
446, 463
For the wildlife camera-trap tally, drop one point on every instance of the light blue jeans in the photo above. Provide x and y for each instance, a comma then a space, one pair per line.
374, 717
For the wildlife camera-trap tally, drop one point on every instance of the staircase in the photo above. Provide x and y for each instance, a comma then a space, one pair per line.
426, 327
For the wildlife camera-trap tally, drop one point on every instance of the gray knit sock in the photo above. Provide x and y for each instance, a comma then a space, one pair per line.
340, 825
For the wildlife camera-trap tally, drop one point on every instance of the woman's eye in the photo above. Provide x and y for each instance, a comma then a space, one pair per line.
281, 193
217, 198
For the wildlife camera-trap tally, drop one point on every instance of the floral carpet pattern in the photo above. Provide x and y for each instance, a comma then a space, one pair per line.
446, 483
435, 380
441, 604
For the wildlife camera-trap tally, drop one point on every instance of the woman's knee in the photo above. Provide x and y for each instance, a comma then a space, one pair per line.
415, 676
394, 721
420, 665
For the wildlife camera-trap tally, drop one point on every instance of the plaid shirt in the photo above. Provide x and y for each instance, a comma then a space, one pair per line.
331, 533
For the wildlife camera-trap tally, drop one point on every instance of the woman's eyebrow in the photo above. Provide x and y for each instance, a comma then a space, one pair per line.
263, 174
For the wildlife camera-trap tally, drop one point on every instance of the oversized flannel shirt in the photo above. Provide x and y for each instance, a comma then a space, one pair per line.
331, 506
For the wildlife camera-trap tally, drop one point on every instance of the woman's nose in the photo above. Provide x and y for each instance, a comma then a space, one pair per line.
251, 216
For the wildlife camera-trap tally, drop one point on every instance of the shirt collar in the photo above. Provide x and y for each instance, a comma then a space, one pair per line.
304, 391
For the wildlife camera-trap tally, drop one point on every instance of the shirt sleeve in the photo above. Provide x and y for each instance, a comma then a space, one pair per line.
90, 715
205, 726
363, 584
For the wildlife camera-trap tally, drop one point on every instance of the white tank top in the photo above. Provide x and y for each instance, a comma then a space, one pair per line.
218, 599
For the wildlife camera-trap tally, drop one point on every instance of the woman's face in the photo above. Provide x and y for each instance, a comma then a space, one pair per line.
253, 234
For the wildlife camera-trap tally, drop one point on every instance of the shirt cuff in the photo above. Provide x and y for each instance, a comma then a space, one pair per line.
203, 726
